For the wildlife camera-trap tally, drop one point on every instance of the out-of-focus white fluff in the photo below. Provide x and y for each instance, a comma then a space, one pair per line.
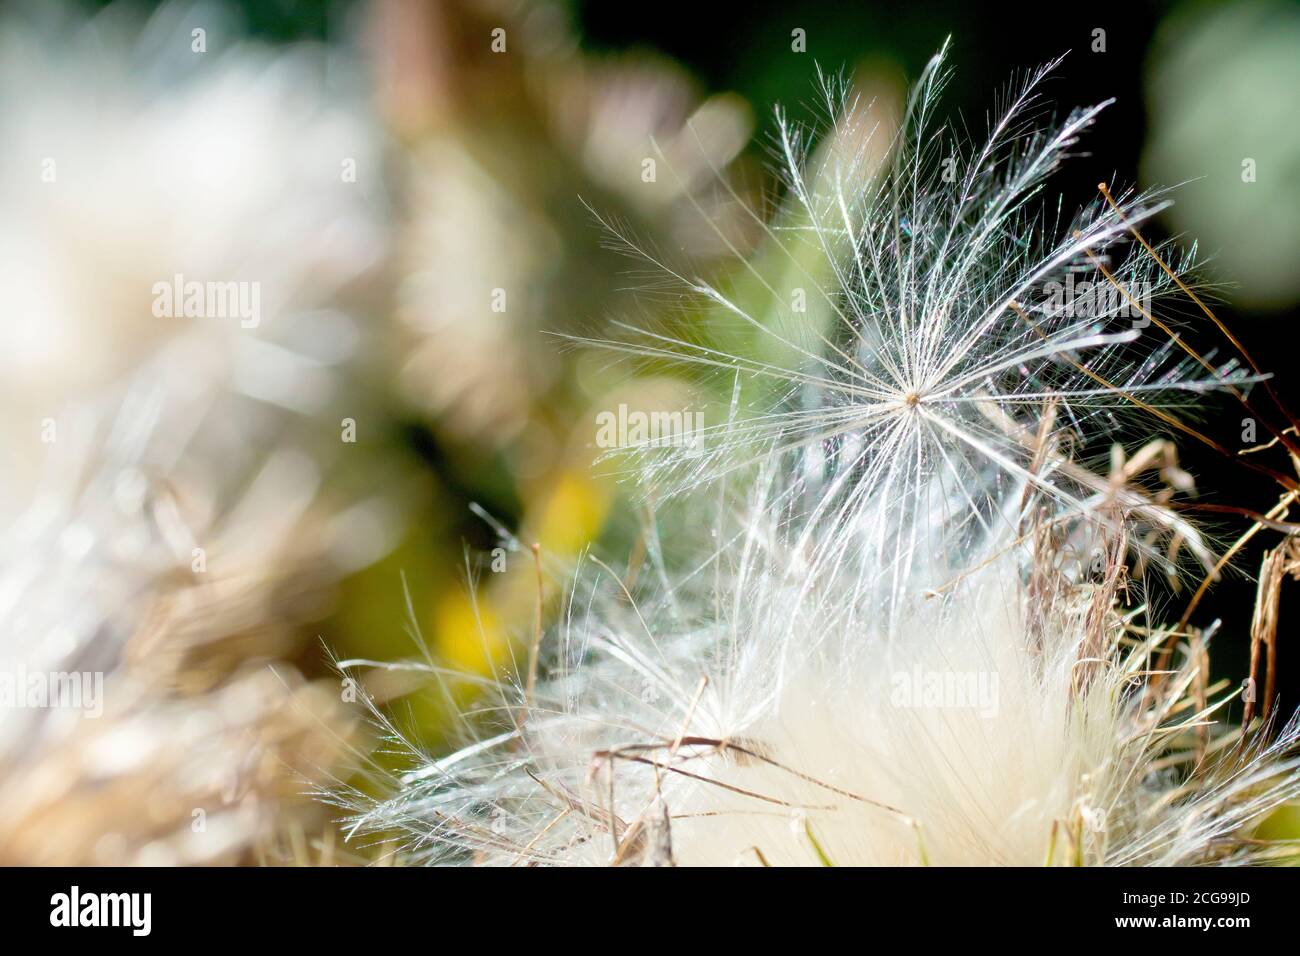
131, 158
160, 521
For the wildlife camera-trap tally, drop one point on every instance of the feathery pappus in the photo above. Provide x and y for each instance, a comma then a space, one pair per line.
919, 319
888, 651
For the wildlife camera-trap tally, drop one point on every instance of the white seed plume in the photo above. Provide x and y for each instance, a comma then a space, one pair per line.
889, 654
948, 316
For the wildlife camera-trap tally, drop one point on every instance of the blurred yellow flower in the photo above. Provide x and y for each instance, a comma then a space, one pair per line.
468, 632
571, 513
